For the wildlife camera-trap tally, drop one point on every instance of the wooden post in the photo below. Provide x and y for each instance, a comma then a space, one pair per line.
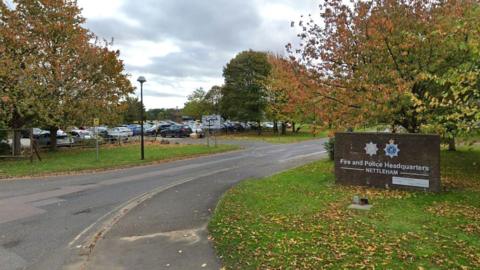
31, 145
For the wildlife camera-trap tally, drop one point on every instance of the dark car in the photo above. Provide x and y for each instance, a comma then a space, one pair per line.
157, 129
176, 131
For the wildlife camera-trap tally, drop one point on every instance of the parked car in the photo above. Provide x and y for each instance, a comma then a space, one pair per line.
197, 129
152, 130
81, 134
135, 128
232, 126
267, 125
156, 129
176, 131
101, 131
253, 125
43, 139
120, 132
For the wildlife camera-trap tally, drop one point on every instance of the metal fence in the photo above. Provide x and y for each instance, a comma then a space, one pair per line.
17, 144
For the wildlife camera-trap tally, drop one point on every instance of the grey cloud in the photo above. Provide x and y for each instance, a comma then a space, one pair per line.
158, 94
113, 28
208, 33
214, 22
191, 61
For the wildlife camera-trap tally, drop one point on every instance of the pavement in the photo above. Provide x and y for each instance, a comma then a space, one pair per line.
149, 217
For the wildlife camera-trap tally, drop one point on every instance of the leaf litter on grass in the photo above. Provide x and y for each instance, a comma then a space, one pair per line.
263, 226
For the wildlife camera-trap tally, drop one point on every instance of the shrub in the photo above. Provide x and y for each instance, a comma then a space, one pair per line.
330, 147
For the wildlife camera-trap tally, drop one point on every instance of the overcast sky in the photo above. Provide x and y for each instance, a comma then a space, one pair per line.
180, 45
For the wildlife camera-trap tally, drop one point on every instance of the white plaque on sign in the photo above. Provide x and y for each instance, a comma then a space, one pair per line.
413, 182
212, 121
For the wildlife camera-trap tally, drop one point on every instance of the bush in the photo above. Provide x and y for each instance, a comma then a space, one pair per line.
330, 147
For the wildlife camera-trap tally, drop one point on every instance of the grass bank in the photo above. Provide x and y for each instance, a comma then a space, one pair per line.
299, 220
270, 137
110, 157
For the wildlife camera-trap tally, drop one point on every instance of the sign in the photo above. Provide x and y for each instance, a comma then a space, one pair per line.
96, 122
388, 160
212, 121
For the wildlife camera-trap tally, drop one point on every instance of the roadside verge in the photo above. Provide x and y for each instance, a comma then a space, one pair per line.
299, 219
84, 161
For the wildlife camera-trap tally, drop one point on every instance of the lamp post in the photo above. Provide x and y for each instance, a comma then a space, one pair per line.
141, 80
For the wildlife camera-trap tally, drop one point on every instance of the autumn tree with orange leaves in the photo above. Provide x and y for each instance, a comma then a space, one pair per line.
54, 73
290, 93
409, 63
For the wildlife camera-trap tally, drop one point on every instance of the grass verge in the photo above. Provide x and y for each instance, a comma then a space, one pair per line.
270, 137
110, 157
299, 220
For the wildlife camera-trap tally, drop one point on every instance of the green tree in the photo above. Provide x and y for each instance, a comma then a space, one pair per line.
244, 96
133, 108
197, 104
213, 98
155, 114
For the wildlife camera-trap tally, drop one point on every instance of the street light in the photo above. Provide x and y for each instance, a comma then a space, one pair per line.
141, 80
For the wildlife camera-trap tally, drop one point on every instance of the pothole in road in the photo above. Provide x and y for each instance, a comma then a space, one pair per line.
11, 244
84, 211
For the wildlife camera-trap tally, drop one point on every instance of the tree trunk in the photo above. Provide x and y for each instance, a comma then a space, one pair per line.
393, 128
451, 144
17, 123
275, 127
293, 127
259, 130
284, 128
53, 138
17, 142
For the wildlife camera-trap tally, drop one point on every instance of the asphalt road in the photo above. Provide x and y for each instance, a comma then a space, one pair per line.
150, 217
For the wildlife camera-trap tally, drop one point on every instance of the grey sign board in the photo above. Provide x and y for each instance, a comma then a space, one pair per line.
388, 160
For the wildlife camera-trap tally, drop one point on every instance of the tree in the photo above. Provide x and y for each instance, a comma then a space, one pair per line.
164, 114
213, 98
155, 114
16, 61
401, 62
203, 103
290, 96
133, 108
244, 96
197, 105
54, 75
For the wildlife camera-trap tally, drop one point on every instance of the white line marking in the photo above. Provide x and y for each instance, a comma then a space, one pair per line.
302, 156
139, 199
